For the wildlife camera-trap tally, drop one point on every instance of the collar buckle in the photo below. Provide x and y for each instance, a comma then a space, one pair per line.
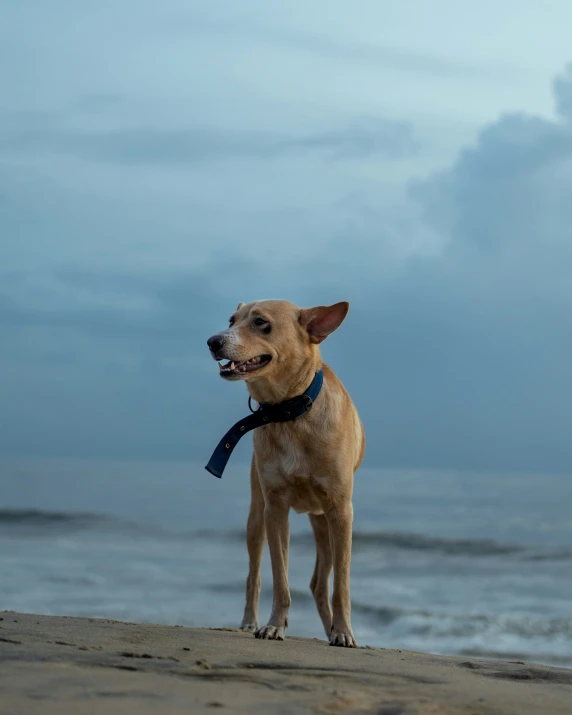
309, 401
250, 405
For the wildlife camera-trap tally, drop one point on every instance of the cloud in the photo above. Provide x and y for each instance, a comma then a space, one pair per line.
563, 93
456, 348
365, 138
509, 190
500, 295
254, 29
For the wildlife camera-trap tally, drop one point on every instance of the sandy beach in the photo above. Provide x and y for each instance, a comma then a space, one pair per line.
58, 665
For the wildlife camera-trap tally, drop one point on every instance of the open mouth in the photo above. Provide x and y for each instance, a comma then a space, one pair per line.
233, 368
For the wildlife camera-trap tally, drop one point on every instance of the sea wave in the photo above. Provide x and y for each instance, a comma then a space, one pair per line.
40, 518
40, 521
367, 540
363, 541
439, 624
418, 542
395, 540
469, 625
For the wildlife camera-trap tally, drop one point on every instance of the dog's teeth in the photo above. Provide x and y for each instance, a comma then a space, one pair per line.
232, 365
220, 366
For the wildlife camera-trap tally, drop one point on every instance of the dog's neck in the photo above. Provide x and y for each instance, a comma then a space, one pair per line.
270, 390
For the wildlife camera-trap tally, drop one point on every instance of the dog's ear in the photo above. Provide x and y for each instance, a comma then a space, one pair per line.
239, 306
323, 320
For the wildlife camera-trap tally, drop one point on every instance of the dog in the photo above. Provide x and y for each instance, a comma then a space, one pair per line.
307, 464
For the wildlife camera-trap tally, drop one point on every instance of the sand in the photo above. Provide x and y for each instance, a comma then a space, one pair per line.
79, 666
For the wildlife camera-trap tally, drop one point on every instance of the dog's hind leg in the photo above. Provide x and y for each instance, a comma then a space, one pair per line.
255, 539
320, 583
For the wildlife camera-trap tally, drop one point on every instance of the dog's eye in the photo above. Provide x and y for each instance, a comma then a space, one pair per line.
259, 322
231, 322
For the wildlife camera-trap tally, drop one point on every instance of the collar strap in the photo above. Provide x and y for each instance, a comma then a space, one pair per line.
264, 415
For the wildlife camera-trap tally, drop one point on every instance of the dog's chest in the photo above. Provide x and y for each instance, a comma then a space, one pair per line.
291, 459
289, 466
287, 450
303, 492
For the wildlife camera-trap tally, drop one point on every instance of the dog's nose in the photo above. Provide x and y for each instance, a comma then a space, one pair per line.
215, 343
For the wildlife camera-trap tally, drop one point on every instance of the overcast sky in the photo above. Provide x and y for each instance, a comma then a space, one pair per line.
160, 162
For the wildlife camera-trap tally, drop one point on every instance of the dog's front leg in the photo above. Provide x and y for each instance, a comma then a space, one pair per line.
255, 539
340, 525
278, 534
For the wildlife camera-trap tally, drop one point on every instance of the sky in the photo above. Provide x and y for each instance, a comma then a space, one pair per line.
161, 162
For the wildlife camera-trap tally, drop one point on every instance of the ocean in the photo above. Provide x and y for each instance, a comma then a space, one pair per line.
443, 562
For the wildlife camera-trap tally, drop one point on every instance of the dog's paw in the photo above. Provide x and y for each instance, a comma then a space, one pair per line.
271, 633
248, 627
344, 639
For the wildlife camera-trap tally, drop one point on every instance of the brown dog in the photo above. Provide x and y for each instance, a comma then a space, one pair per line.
307, 464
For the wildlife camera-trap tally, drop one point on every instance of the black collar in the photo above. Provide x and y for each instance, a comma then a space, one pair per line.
265, 414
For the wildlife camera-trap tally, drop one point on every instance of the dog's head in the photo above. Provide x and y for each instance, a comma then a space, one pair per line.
270, 337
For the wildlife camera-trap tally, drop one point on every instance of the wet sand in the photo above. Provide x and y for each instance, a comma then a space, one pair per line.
83, 666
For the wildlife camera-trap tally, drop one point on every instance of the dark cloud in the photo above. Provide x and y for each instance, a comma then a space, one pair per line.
168, 319
563, 93
502, 293
450, 364
147, 145
383, 55
238, 23
457, 358
367, 138
511, 188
